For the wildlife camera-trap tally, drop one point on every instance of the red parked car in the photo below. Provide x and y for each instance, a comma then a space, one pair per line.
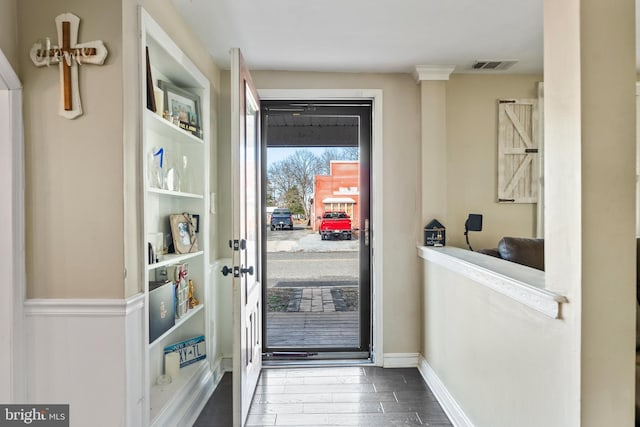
335, 224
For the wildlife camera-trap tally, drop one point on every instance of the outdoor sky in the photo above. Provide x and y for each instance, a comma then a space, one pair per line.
276, 154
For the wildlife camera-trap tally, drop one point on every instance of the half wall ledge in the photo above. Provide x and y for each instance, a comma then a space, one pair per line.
518, 282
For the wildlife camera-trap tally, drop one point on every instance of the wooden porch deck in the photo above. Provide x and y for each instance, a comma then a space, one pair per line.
313, 329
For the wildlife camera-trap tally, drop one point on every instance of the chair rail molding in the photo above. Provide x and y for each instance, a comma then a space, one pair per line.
520, 283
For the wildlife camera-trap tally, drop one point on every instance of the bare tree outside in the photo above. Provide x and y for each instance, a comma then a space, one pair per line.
290, 181
345, 153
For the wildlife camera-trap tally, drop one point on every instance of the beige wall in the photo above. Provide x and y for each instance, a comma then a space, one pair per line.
82, 219
74, 222
9, 31
472, 159
487, 349
401, 163
491, 352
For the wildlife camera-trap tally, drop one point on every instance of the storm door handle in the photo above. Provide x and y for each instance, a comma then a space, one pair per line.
249, 270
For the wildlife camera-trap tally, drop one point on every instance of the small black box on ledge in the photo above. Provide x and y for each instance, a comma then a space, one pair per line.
434, 234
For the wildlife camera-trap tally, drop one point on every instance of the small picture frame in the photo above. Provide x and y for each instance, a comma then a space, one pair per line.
183, 233
183, 107
195, 220
156, 247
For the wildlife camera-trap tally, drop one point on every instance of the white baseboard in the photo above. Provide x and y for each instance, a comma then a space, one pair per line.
449, 405
218, 371
185, 406
227, 364
401, 360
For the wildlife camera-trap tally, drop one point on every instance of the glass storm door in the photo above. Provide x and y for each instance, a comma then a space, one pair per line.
316, 272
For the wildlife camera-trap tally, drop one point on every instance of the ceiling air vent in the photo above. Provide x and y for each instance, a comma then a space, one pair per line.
493, 65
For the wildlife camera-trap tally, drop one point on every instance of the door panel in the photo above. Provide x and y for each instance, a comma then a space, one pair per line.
245, 136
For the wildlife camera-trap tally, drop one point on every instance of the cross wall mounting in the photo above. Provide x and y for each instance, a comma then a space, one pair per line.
69, 56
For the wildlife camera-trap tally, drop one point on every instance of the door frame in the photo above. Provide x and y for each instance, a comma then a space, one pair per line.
12, 214
375, 96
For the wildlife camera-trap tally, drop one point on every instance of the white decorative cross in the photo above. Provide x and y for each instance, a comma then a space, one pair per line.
68, 56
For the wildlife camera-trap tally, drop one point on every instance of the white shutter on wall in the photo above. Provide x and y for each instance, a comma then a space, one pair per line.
518, 151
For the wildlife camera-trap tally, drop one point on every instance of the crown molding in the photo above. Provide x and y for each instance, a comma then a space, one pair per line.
433, 72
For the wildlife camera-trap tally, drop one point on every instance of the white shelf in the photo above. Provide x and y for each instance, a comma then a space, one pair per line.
160, 125
162, 395
173, 259
175, 193
190, 313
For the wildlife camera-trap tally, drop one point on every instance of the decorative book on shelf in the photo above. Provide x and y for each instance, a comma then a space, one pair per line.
190, 350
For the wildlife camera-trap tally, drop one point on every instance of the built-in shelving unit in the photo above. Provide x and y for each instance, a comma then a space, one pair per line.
180, 185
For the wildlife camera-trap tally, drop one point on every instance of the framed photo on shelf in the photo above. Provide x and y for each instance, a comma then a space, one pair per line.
183, 105
183, 233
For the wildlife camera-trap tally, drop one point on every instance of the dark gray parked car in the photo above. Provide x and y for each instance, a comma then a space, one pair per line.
281, 218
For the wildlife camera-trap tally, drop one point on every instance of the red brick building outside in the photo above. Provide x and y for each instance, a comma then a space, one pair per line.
338, 191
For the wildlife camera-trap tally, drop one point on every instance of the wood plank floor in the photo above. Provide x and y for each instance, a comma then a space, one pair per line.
336, 396
313, 329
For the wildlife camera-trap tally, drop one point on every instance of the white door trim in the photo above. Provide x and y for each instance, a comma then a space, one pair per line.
12, 298
374, 95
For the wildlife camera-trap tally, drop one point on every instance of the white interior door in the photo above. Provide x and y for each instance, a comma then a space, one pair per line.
247, 304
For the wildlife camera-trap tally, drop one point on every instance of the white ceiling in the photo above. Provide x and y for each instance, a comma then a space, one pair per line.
369, 35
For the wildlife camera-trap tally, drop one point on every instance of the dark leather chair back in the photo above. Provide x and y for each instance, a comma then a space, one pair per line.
525, 251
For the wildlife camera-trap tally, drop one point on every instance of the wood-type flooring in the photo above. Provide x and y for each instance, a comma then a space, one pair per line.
331, 396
